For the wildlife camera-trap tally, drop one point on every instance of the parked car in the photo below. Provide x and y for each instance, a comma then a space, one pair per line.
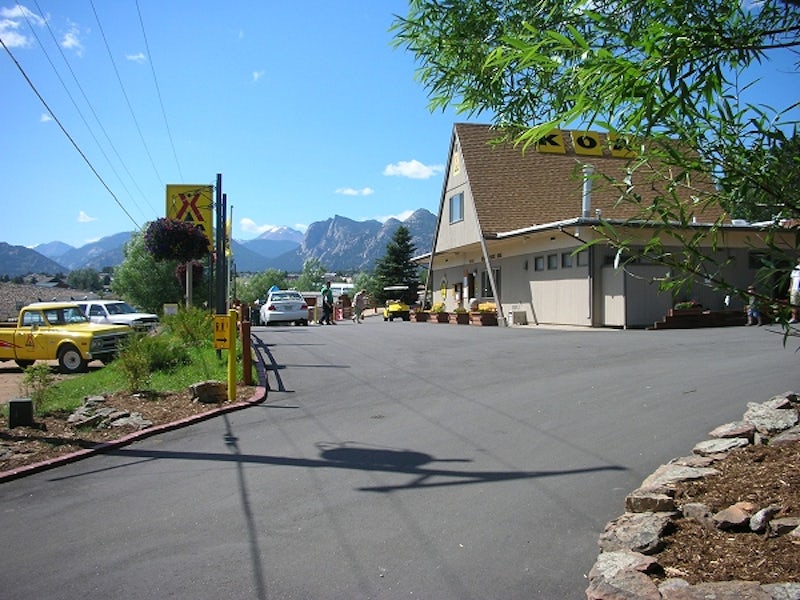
284, 306
59, 331
396, 308
117, 312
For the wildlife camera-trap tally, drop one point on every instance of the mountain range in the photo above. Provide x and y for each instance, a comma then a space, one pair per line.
341, 245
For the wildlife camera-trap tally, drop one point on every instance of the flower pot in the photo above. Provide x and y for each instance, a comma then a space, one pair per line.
440, 317
459, 318
420, 317
483, 318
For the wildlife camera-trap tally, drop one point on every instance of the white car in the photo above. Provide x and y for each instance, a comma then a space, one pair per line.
118, 313
284, 306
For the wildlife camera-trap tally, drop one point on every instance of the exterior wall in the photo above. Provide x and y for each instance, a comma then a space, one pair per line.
465, 231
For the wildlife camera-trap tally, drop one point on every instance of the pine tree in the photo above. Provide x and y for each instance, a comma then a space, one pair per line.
396, 268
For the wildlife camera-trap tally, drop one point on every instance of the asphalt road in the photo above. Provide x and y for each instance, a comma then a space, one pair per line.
391, 460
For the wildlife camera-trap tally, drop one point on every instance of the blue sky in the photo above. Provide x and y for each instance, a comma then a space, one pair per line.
304, 108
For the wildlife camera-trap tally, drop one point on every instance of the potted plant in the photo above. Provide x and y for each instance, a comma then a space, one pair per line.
419, 315
485, 315
438, 313
460, 316
686, 307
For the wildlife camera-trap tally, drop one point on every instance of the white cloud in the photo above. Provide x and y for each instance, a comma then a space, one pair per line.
137, 58
347, 191
45, 118
84, 218
258, 75
413, 169
301, 227
72, 41
399, 216
11, 20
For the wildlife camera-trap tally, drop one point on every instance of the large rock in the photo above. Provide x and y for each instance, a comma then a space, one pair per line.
637, 532
769, 420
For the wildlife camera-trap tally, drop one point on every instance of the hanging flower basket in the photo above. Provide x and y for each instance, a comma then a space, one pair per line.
170, 239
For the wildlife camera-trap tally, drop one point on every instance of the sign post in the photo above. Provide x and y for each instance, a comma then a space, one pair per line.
225, 339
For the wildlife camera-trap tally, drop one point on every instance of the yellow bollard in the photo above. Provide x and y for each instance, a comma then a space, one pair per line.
232, 320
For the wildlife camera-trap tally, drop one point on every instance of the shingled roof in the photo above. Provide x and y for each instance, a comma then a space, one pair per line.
514, 190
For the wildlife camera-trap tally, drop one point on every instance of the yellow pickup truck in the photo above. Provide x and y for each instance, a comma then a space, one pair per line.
59, 331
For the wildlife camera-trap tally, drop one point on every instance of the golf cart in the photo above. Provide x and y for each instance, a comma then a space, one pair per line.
396, 309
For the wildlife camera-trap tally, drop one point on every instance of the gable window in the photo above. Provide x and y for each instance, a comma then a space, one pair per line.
457, 208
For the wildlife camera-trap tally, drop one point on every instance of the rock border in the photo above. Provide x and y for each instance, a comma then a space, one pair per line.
623, 566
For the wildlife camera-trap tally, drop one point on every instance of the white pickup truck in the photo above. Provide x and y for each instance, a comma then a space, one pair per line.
117, 312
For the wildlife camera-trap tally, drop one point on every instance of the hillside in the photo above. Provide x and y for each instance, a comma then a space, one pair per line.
341, 244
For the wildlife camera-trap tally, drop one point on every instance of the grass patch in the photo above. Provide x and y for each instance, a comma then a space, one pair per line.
69, 394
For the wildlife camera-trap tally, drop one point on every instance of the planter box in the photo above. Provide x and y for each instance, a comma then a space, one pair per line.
459, 318
440, 317
483, 318
420, 317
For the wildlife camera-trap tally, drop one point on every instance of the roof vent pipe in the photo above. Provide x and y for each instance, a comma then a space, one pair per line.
586, 204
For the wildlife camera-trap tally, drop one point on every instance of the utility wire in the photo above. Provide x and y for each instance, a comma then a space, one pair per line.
158, 90
125, 94
74, 103
66, 133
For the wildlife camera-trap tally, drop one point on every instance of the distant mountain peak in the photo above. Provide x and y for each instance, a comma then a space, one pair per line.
340, 243
281, 233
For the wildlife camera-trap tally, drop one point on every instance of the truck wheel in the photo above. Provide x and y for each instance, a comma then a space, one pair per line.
24, 364
70, 360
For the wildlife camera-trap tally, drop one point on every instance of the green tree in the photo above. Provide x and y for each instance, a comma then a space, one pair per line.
144, 281
252, 287
643, 70
749, 199
84, 279
312, 277
396, 268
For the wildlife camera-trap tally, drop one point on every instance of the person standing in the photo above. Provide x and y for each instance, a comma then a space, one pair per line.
359, 303
753, 311
327, 304
794, 291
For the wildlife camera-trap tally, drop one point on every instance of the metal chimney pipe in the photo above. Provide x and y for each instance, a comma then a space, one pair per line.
586, 204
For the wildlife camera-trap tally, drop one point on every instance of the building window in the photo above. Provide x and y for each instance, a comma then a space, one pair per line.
552, 261
457, 208
538, 263
486, 285
566, 260
583, 258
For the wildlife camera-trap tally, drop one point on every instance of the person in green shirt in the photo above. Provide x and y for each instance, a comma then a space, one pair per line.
327, 305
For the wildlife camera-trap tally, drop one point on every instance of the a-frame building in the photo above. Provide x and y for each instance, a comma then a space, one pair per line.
510, 222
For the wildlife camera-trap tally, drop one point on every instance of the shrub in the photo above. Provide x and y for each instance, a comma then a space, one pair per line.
134, 364
37, 382
193, 326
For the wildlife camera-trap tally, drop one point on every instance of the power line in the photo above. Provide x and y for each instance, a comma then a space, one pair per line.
66, 133
86, 99
158, 90
125, 94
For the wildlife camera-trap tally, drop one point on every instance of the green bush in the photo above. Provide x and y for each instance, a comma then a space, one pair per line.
37, 382
133, 363
193, 326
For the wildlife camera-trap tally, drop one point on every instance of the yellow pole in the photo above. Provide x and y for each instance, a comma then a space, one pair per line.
232, 319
